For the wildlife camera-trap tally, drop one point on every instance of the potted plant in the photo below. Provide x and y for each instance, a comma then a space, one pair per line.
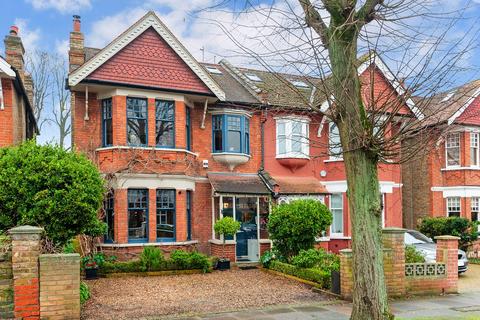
91, 263
226, 226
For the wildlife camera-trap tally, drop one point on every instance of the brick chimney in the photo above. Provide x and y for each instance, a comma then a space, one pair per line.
14, 50
76, 54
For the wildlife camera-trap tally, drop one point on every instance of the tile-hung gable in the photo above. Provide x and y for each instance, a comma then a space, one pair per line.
150, 56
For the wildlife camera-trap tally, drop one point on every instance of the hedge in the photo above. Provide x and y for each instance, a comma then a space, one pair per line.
323, 278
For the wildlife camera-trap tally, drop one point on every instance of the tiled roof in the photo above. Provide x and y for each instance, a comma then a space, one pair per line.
237, 183
444, 106
234, 91
299, 185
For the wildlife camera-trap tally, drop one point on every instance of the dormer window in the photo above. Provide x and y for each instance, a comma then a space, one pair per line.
213, 70
292, 138
231, 133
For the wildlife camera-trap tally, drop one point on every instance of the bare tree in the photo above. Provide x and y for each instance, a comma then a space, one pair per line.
60, 99
38, 65
322, 40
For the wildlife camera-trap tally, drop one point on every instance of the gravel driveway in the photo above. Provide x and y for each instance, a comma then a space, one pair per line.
137, 297
470, 280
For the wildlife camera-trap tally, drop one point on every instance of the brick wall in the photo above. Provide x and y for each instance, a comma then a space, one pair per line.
132, 252
216, 250
6, 286
59, 286
398, 284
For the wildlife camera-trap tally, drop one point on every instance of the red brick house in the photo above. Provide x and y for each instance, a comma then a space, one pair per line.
16, 113
182, 143
450, 184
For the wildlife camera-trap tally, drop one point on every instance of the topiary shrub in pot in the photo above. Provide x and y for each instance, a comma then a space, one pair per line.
225, 226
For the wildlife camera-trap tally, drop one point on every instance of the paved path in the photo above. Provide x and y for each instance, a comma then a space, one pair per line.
449, 307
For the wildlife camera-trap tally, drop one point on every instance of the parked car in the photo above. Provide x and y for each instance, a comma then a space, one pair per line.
429, 248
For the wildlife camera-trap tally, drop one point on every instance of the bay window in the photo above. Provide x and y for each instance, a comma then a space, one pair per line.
165, 123
231, 134
165, 215
474, 207
137, 215
452, 149
336, 207
107, 132
474, 147
188, 129
108, 209
453, 207
292, 138
137, 121
334, 143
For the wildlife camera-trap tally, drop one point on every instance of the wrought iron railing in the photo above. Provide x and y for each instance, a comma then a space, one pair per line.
425, 269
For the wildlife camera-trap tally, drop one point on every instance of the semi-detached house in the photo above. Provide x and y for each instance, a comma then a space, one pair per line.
183, 143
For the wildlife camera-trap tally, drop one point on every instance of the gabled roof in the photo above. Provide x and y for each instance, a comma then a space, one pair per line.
6, 68
372, 58
450, 106
150, 20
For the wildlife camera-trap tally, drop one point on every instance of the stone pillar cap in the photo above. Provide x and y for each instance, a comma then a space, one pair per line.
394, 230
26, 230
447, 238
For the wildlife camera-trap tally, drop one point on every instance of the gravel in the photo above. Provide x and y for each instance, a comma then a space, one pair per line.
138, 297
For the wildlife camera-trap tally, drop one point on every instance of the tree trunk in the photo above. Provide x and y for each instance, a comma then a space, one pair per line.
369, 295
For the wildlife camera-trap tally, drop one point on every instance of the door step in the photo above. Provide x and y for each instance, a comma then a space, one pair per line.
247, 265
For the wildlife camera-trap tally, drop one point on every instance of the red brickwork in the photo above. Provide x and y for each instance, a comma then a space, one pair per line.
216, 250
25, 252
149, 61
126, 253
398, 284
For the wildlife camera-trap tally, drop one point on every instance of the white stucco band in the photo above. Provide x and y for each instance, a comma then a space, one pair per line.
154, 181
341, 186
458, 191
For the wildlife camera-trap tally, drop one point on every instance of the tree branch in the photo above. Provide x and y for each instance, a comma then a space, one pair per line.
315, 21
367, 12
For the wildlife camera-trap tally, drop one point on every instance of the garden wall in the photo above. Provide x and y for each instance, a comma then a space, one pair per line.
6, 286
412, 278
44, 286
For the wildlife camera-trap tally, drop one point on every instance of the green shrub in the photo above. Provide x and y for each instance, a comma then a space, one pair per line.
190, 260
317, 258
474, 260
323, 278
412, 255
49, 187
151, 259
121, 267
266, 258
84, 292
93, 261
294, 226
226, 226
453, 226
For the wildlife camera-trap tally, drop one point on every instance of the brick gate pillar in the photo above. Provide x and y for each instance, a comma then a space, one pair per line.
346, 274
447, 252
394, 261
25, 252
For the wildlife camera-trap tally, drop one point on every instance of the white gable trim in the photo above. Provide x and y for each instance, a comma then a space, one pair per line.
149, 20
377, 61
6, 68
464, 107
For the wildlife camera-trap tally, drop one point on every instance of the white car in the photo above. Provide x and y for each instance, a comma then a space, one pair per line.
429, 249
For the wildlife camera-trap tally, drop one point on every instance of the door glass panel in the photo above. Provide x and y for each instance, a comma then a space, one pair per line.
227, 211
264, 211
246, 214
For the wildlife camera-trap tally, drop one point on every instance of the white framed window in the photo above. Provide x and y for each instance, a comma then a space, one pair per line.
453, 207
292, 138
384, 209
474, 147
336, 207
452, 150
475, 209
334, 144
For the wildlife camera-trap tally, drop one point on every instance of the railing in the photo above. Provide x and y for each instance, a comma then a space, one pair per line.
425, 269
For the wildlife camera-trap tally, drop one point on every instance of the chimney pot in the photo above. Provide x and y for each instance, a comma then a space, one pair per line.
14, 31
76, 23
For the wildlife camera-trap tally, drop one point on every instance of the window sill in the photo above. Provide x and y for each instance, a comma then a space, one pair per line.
292, 156
146, 244
146, 148
216, 241
459, 168
231, 153
231, 159
333, 160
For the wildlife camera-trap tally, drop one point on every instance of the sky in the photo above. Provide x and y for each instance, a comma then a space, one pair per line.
45, 25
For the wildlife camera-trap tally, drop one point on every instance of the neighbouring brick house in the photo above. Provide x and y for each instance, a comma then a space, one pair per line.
450, 183
17, 121
182, 143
